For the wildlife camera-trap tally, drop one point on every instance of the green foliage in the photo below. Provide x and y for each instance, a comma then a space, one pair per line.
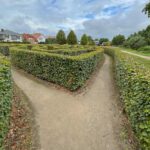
84, 39
118, 40
4, 50
135, 42
5, 97
50, 41
103, 40
90, 41
60, 37
29, 47
147, 9
68, 71
72, 39
145, 49
133, 79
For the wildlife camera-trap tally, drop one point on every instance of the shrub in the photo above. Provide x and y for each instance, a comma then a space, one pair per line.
118, 40
133, 79
4, 50
50, 47
145, 49
5, 97
68, 71
135, 42
29, 47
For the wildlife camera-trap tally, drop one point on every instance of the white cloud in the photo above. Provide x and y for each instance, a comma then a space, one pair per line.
85, 16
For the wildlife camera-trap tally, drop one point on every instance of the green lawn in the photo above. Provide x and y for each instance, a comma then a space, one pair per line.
136, 52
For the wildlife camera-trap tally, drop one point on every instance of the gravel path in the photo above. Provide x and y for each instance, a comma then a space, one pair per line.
145, 57
86, 121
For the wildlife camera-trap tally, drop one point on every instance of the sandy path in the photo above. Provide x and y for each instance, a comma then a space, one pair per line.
145, 57
86, 121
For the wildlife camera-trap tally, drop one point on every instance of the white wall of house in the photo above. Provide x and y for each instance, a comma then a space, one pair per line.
41, 39
13, 38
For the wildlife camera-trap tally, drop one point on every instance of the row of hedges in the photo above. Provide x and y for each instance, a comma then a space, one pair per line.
133, 79
68, 71
5, 97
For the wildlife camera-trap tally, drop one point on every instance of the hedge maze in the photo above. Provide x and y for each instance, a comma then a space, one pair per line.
67, 67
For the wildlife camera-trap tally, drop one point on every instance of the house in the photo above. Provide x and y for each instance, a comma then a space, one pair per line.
29, 38
10, 36
40, 37
34, 38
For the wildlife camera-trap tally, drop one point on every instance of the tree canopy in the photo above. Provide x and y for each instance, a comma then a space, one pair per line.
84, 39
147, 9
118, 40
60, 37
102, 40
72, 38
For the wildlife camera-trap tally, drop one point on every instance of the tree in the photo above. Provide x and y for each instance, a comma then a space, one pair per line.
72, 39
147, 9
84, 39
50, 41
102, 40
118, 40
90, 41
60, 37
135, 42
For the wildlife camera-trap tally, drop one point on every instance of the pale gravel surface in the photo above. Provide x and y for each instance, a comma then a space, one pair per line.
90, 120
145, 57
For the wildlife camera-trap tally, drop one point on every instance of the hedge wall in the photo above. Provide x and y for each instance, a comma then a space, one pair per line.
5, 97
4, 50
68, 71
133, 79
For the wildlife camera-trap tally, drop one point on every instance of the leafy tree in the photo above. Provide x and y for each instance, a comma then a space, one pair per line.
135, 42
72, 38
147, 9
60, 37
102, 40
90, 41
118, 40
50, 41
84, 39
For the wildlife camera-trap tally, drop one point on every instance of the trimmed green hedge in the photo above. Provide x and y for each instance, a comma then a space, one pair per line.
68, 71
4, 50
133, 79
5, 97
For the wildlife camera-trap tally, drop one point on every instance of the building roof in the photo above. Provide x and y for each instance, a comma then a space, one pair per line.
8, 32
29, 36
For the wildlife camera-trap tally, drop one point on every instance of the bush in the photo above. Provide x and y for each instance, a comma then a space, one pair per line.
4, 50
68, 71
50, 47
118, 40
29, 47
134, 83
135, 42
5, 97
145, 49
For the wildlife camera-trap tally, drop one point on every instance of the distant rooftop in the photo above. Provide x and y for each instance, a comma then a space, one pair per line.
8, 32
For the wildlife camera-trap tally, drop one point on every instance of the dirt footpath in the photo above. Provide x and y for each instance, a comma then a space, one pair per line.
86, 121
145, 57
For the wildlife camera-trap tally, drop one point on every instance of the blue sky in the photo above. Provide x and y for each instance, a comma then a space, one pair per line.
98, 18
